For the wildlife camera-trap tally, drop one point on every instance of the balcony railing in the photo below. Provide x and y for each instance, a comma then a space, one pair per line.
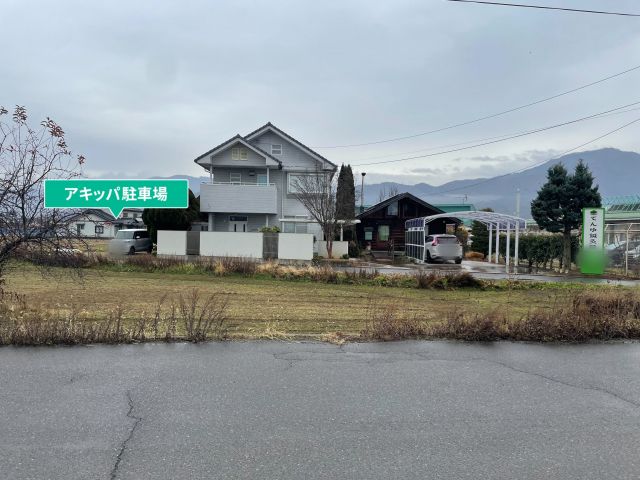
237, 197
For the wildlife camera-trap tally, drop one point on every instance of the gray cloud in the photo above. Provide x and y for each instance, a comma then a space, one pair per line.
147, 86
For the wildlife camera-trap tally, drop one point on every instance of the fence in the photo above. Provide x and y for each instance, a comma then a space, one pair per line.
172, 243
338, 250
623, 246
284, 246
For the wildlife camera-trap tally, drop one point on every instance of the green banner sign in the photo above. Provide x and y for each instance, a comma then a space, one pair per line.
116, 195
592, 257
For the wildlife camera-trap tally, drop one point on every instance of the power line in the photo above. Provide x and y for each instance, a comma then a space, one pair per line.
487, 117
539, 163
548, 8
523, 134
480, 139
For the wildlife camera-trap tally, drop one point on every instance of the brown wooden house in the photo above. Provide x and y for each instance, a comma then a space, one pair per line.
383, 223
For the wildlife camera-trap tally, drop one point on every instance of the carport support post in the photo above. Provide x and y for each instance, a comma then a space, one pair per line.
507, 260
490, 241
210, 223
497, 243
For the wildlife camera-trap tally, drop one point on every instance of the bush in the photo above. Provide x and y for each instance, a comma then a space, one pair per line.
354, 249
273, 229
385, 324
435, 281
474, 256
24, 324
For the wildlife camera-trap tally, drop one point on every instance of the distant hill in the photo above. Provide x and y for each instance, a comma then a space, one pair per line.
615, 171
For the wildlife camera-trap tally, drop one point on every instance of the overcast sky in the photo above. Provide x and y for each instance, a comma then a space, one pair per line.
143, 87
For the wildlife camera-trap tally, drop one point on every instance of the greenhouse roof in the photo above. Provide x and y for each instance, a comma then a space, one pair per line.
623, 203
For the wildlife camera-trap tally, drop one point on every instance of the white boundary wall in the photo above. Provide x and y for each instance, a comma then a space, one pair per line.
230, 244
339, 249
295, 246
172, 242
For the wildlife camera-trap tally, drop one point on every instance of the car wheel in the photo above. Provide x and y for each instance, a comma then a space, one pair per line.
132, 251
458, 261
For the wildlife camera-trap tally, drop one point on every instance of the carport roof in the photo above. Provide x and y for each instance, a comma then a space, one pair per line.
501, 220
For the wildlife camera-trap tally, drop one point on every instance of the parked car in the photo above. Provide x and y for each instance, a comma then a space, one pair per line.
130, 241
443, 247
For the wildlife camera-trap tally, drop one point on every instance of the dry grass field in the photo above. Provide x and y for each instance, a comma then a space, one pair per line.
263, 307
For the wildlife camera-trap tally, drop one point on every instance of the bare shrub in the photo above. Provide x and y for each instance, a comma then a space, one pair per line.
33, 324
436, 281
202, 320
480, 327
385, 323
474, 256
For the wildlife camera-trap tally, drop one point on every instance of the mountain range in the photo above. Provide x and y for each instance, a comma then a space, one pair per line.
616, 172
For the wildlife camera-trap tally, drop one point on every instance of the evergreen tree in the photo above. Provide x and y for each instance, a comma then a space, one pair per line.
346, 194
171, 218
558, 206
480, 233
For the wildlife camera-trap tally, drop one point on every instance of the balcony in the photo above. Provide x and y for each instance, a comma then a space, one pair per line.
239, 198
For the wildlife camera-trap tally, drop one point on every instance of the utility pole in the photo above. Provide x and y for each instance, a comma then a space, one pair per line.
362, 193
517, 252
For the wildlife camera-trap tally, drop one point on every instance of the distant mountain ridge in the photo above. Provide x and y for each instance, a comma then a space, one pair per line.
615, 171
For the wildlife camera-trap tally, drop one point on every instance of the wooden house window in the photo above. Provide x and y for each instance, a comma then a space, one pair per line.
383, 233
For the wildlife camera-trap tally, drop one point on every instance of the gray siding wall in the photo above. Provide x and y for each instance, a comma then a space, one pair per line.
243, 198
254, 221
224, 158
221, 174
292, 157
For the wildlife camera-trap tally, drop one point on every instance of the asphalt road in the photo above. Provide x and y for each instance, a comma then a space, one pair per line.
410, 410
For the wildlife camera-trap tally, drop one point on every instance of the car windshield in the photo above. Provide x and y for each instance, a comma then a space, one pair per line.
446, 240
124, 235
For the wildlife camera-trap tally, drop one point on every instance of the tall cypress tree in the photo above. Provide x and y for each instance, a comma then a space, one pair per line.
346, 194
558, 206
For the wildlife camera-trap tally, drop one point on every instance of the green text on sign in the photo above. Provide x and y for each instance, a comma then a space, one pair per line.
116, 195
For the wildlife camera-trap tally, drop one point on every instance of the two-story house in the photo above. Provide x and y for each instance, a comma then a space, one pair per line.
253, 180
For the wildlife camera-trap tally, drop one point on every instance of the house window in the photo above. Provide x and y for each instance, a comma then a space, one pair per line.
306, 181
392, 209
383, 233
294, 227
239, 153
99, 229
368, 233
261, 179
276, 149
235, 178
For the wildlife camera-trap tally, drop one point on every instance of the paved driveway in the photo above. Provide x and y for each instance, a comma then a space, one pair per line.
409, 410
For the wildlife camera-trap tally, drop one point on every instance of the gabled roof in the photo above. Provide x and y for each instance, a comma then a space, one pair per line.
395, 198
300, 145
106, 216
238, 139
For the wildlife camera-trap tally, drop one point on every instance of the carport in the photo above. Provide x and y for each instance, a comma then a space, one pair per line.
417, 229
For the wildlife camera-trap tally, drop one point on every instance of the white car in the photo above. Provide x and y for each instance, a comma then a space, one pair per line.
443, 247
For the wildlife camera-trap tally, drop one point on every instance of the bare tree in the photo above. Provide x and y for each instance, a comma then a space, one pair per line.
383, 194
28, 157
317, 192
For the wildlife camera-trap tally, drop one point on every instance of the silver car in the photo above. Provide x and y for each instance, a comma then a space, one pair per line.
443, 247
130, 241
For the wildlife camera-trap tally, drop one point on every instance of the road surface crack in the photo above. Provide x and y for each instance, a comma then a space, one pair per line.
123, 445
567, 384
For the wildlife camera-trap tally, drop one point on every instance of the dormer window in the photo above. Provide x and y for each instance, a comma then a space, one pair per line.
239, 153
276, 149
